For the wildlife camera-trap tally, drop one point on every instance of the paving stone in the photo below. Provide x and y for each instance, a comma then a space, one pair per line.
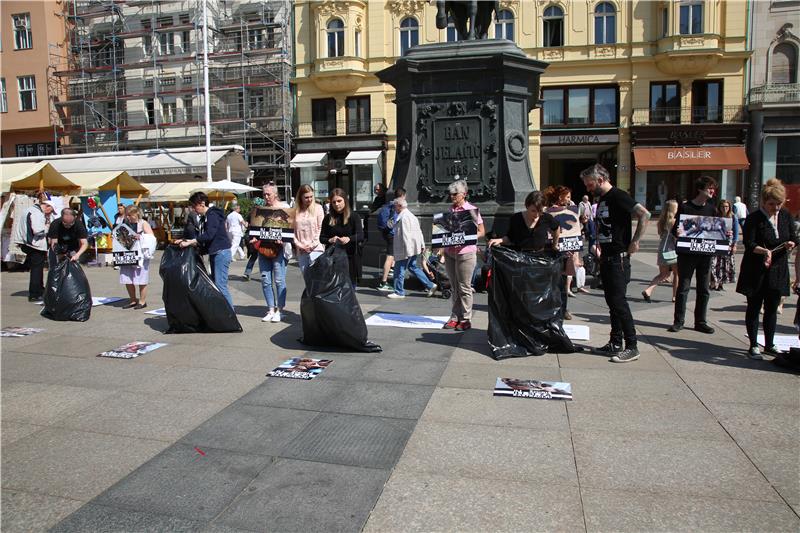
13, 431
768, 389
72, 464
44, 404
351, 440
73, 346
592, 384
483, 376
102, 519
637, 511
312, 395
143, 416
650, 359
17, 366
413, 501
780, 466
759, 425
470, 406
336, 498
414, 349
183, 482
481, 354
404, 371
202, 383
688, 467
250, 429
487, 452
24, 511
392, 400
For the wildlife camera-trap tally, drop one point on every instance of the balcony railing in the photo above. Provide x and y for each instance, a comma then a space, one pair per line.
729, 114
778, 93
344, 127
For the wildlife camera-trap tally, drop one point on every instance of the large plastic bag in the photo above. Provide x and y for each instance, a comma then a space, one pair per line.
192, 302
67, 296
329, 308
525, 304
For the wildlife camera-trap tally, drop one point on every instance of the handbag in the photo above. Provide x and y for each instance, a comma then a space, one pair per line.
668, 256
268, 249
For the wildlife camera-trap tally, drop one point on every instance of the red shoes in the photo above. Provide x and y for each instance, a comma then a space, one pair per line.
464, 325
451, 324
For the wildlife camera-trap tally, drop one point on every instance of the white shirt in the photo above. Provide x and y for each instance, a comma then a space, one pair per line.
741, 210
233, 223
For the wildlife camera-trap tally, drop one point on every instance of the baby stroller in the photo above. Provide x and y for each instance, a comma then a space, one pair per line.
439, 275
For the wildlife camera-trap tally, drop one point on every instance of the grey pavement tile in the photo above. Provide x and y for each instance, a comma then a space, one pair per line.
259, 360
659, 463
351, 440
75, 346
72, 464
636, 511
254, 429
143, 416
676, 419
404, 371
487, 452
312, 395
650, 359
402, 346
183, 482
102, 519
202, 383
24, 511
13, 431
764, 388
413, 501
481, 354
112, 374
34, 368
759, 425
392, 400
302, 496
615, 381
470, 406
46, 404
780, 466
484, 375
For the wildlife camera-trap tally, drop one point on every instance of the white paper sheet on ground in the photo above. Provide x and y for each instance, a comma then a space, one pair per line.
576, 332
783, 342
158, 312
100, 300
407, 321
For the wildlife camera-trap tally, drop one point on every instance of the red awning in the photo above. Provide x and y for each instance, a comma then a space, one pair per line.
694, 158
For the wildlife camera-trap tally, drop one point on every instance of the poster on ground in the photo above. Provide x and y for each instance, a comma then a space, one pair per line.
783, 342
407, 321
455, 228
271, 224
570, 238
531, 388
125, 246
300, 368
704, 235
14, 331
132, 349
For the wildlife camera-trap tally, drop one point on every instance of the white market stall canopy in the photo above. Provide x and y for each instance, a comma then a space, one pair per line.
171, 192
92, 183
315, 159
32, 176
368, 157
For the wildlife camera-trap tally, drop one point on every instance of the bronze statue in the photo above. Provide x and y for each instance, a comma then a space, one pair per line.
471, 18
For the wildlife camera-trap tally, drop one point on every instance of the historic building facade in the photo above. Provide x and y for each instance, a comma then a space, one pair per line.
653, 90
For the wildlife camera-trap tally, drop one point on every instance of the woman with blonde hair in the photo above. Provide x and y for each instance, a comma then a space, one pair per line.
667, 257
764, 274
307, 227
133, 275
722, 267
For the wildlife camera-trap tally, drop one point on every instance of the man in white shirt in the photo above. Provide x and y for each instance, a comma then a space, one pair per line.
740, 210
235, 226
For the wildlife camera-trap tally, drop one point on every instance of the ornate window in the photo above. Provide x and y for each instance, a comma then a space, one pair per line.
691, 18
783, 67
335, 38
553, 34
504, 27
409, 34
605, 24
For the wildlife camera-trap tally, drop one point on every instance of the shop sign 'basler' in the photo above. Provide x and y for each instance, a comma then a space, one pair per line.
704, 235
570, 237
455, 228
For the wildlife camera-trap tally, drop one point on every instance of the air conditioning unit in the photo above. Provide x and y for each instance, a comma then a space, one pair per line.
20, 23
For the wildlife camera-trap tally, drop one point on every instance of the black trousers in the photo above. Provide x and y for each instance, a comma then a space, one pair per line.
35, 260
699, 266
615, 272
771, 298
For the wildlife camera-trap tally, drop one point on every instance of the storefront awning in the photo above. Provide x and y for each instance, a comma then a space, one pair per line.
371, 157
31, 176
315, 159
694, 158
92, 183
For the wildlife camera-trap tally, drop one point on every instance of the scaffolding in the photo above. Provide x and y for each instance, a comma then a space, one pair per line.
131, 78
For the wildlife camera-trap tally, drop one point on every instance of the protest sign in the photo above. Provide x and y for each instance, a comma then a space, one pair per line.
407, 321
455, 228
570, 238
271, 224
528, 388
125, 247
132, 349
704, 235
13, 331
300, 368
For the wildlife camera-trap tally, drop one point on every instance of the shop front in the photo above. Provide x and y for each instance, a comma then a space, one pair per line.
356, 172
565, 154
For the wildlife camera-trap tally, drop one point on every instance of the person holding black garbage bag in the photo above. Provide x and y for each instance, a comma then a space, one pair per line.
531, 230
343, 227
615, 247
68, 236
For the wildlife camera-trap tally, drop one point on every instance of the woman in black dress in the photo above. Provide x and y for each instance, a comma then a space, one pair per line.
764, 274
342, 227
531, 230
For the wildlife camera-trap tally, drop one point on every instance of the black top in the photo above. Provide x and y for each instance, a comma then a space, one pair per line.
533, 239
68, 238
613, 221
753, 275
352, 229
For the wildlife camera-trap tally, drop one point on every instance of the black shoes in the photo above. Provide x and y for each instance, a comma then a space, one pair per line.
704, 328
609, 349
675, 328
626, 356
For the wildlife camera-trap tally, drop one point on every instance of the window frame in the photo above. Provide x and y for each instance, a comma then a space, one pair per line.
357, 43
549, 20
651, 108
697, 118
150, 111
604, 17
166, 40
408, 34
504, 26
362, 126
337, 34
31, 90
323, 127
690, 6
27, 33
188, 110
793, 65
3, 96
565, 124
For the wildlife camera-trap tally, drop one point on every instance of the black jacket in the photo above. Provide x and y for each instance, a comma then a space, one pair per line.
753, 275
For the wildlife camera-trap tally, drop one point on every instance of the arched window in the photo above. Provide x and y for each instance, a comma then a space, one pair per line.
452, 34
409, 34
605, 24
553, 34
504, 27
783, 67
335, 38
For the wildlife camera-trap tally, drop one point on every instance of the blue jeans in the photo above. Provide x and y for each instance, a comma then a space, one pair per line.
305, 260
400, 274
273, 279
220, 264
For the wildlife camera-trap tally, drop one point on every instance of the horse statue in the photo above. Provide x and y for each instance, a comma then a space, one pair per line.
471, 17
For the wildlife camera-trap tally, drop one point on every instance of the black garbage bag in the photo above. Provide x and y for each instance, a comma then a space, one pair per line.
525, 304
67, 296
329, 308
192, 302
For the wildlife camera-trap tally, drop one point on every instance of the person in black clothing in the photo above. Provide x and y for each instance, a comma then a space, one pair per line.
380, 197
764, 274
68, 236
342, 227
615, 245
120, 216
691, 264
531, 230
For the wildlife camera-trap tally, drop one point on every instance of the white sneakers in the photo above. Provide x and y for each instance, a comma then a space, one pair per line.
272, 316
432, 290
395, 296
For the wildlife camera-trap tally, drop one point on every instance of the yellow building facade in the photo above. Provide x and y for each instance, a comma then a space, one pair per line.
650, 89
